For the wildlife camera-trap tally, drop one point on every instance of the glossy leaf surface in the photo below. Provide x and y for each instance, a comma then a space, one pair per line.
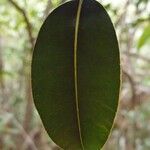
76, 75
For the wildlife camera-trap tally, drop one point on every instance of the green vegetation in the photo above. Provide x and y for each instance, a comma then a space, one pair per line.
76, 75
20, 126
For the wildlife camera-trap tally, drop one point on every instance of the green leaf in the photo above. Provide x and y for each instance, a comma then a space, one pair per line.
144, 37
3, 73
76, 75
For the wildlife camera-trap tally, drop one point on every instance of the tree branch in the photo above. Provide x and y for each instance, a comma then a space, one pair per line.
132, 84
26, 19
144, 58
29, 105
123, 14
48, 8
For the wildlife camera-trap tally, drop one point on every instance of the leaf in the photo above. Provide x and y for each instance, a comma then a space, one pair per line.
144, 37
76, 75
3, 73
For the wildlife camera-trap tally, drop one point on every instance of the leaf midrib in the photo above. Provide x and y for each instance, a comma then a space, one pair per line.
75, 69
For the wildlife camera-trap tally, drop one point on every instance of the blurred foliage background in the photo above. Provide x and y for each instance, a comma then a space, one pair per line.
20, 125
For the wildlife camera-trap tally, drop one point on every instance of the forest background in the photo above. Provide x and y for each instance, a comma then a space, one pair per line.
20, 125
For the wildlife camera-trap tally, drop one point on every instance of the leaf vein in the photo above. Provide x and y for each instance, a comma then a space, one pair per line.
75, 68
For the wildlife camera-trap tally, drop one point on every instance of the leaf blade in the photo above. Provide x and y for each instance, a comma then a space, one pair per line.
97, 69
98, 74
53, 76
